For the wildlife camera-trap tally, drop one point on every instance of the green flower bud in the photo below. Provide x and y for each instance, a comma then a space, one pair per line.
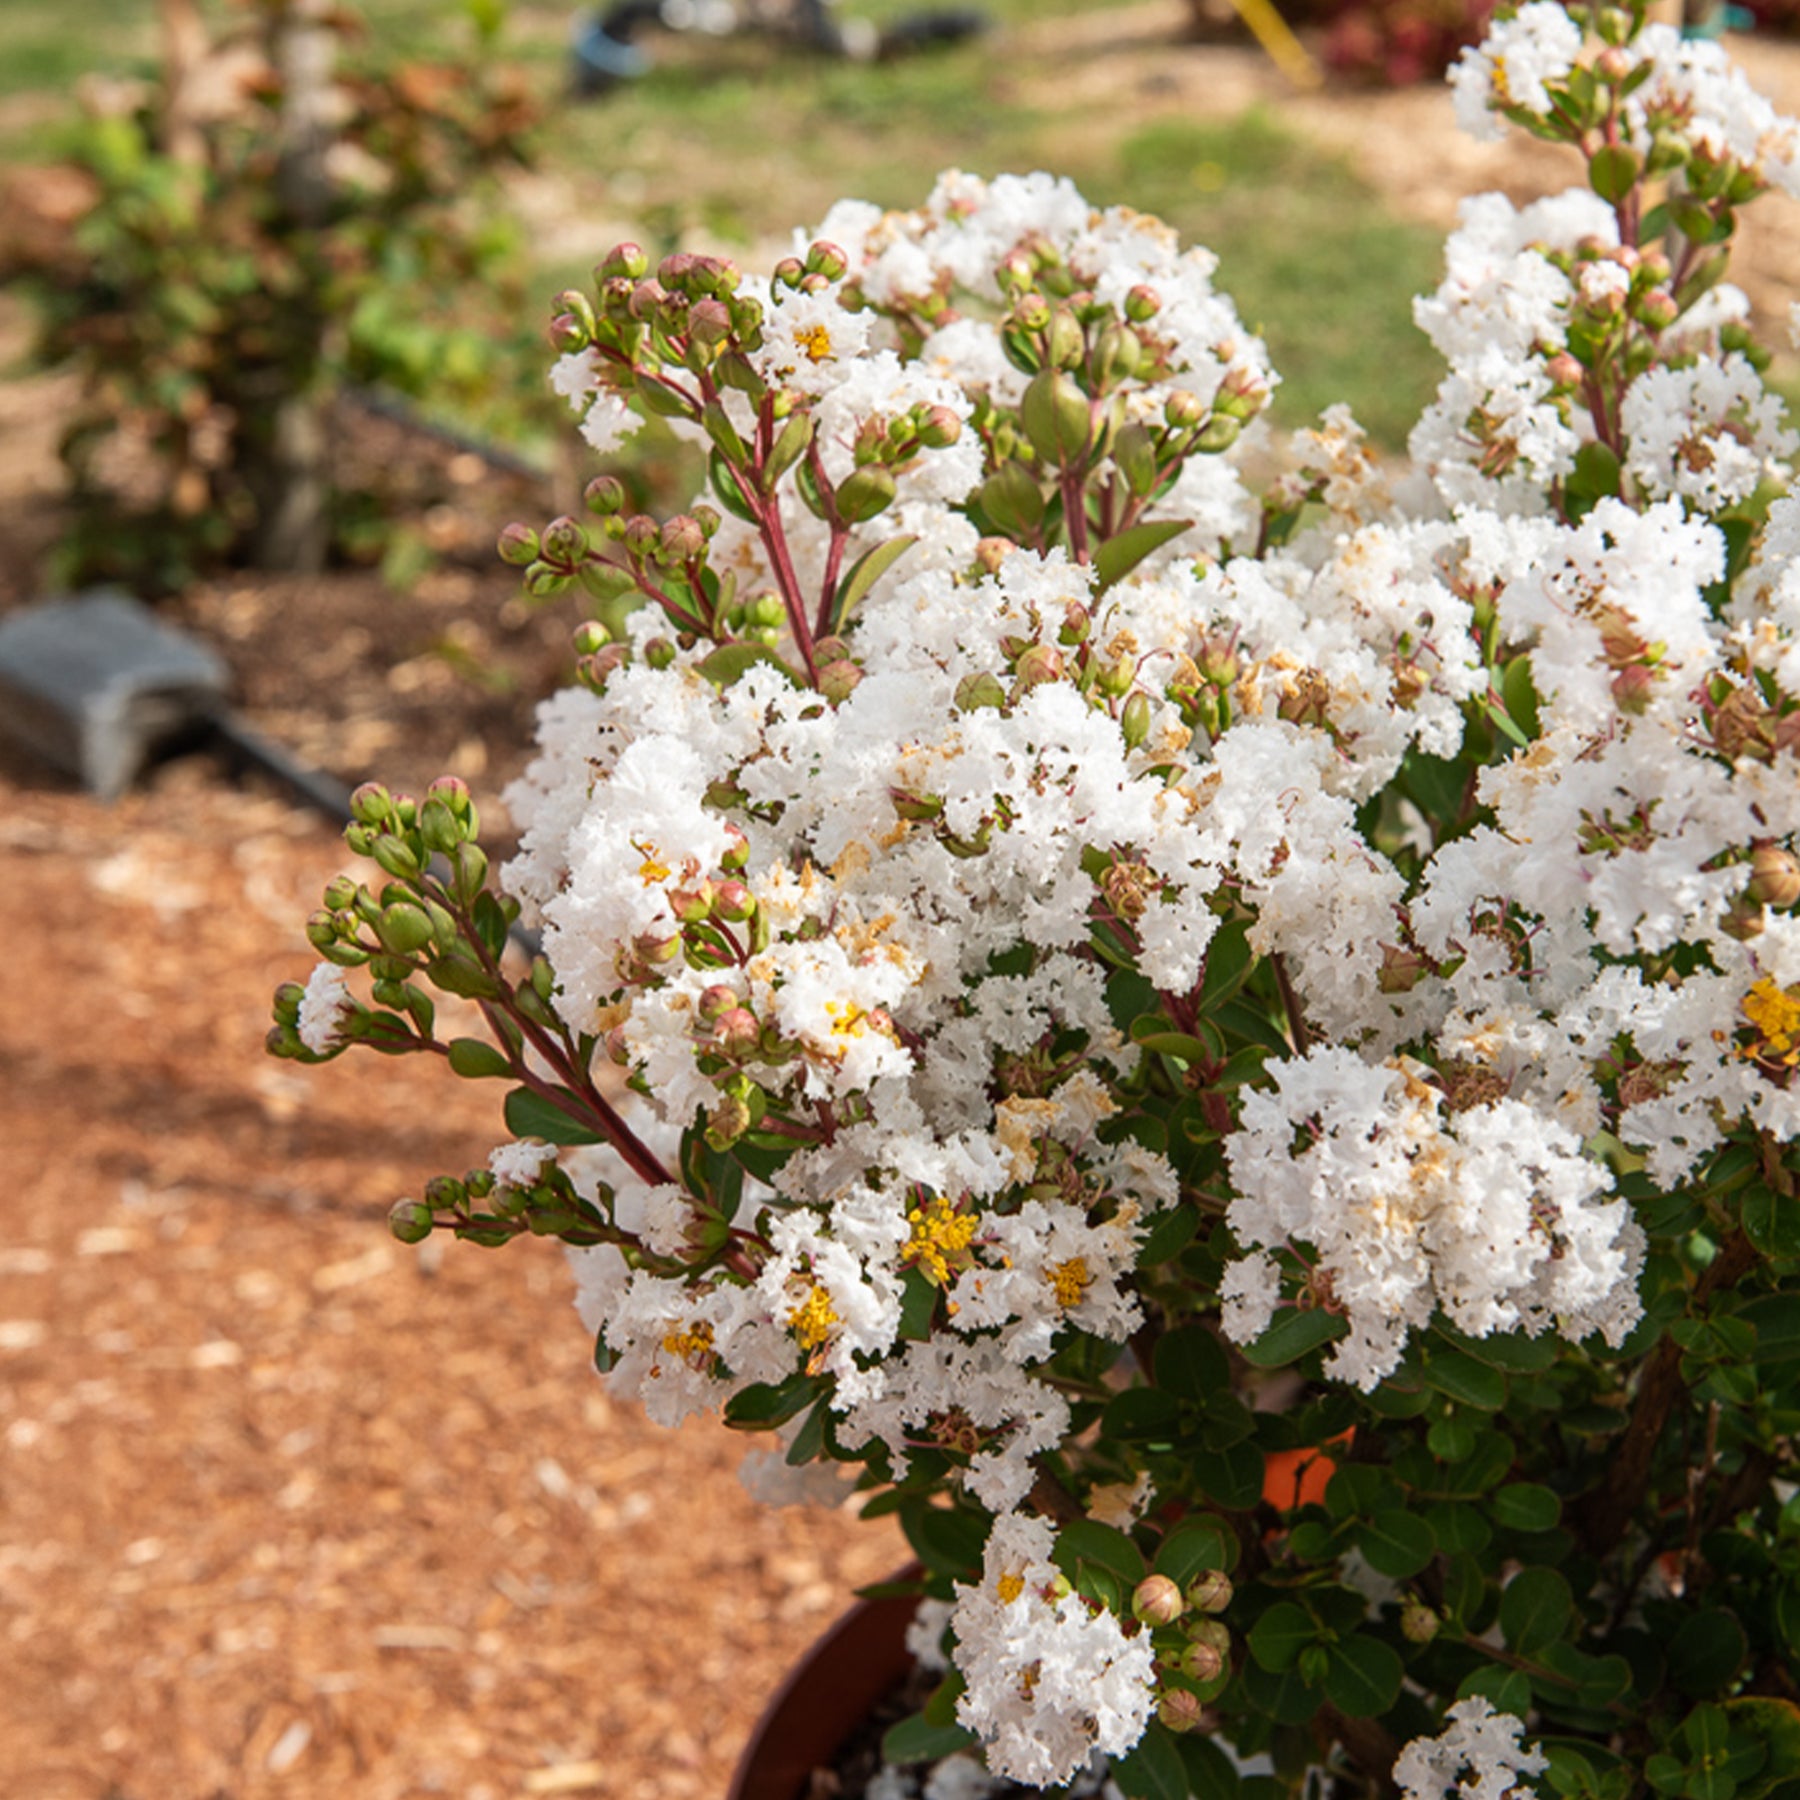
938, 427
322, 930
469, 868
589, 636
1156, 1600
395, 857
543, 581
733, 902
825, 258
1134, 721
518, 545
574, 302
404, 929
789, 272
1418, 1623
1179, 1710
623, 261
1142, 304
659, 653
1221, 432
564, 542
715, 1002
1038, 664
1774, 876
568, 334
371, 803
737, 1031
1210, 1591
838, 680
865, 494
682, 538
411, 1221
287, 1002
1183, 411
737, 853
604, 495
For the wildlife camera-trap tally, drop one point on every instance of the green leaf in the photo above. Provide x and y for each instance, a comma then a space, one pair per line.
1118, 556
1168, 1237
918, 1301
1154, 1769
475, 1059
1088, 1541
1278, 1637
1526, 1506
530, 1115
1612, 170
1707, 1652
864, 573
916, 1740
1228, 963
1195, 1546
1212, 1775
947, 1540
1363, 1676
1397, 1544
1190, 1364
1506, 1690
762, 1406
1535, 1609
1142, 1415
1775, 1724
1231, 1477
1294, 1332
724, 665
1012, 501
1462, 1378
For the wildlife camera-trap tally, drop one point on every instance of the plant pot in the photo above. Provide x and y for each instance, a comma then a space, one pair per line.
827, 1695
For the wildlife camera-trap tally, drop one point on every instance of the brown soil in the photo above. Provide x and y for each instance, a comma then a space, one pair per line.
285, 1509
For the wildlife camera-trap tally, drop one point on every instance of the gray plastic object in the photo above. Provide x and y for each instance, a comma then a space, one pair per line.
96, 685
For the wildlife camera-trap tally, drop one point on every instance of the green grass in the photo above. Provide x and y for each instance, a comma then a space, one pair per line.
737, 142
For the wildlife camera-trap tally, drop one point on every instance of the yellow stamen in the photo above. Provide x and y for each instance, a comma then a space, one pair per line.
939, 1233
1009, 1588
815, 340
1070, 1280
1775, 1012
694, 1344
811, 1321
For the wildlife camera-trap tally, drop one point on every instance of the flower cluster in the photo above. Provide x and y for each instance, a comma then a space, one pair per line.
1040, 931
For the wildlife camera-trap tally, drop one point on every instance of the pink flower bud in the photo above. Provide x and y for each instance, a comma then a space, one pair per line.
1179, 1710
733, 902
737, 1031
1156, 1600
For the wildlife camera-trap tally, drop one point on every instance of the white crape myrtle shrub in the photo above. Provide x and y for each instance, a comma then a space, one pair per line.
1082, 966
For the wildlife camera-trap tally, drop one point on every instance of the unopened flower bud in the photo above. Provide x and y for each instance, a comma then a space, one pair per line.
991, 552
1659, 309
1210, 1591
568, 334
1418, 1623
825, 258
788, 272
737, 1031
410, 1221
646, 298
938, 427
1156, 1600
709, 322
1564, 371
1040, 663
1182, 411
604, 495
625, 261
589, 636
371, 803
1202, 1662
1077, 622
518, 545
693, 905
454, 792
564, 542
727, 1122
715, 1002
1774, 876
1613, 64
1134, 720
737, 852
1179, 1710
1142, 304
682, 538
838, 680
